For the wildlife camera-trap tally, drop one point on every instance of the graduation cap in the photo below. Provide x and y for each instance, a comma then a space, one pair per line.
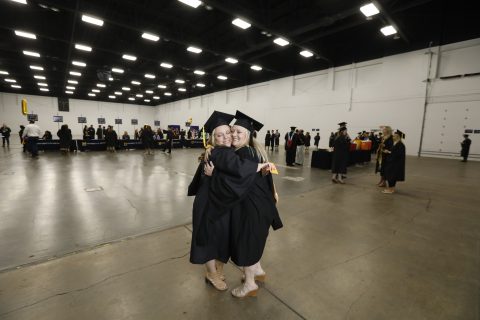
400, 133
293, 128
247, 122
465, 135
217, 119
342, 124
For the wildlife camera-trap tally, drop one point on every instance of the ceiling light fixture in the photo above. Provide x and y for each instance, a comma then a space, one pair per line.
194, 49
42, 84
231, 60
369, 10
182, 89
191, 3
162, 86
139, 95
167, 94
388, 30
92, 20
156, 97
118, 93
110, 79
125, 88
131, 98
74, 73
241, 23
166, 65
199, 72
31, 53
39, 77
112, 97
180, 81
147, 100
36, 68
149, 91
149, 76
11, 80
16, 86
137, 83
83, 47
129, 57
201, 85
306, 53
150, 36
79, 63
3, 72
101, 85
25, 34
70, 88
92, 94
95, 90
222, 77
73, 81
69, 92
44, 89
281, 42
256, 68
117, 70
20, 1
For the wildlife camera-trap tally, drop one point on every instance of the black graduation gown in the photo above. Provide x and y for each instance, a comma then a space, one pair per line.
383, 158
317, 140
65, 136
252, 218
466, 147
268, 136
111, 138
214, 199
147, 138
395, 165
291, 151
341, 146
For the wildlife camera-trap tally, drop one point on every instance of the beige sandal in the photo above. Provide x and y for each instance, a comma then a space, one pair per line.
243, 291
219, 266
258, 277
215, 280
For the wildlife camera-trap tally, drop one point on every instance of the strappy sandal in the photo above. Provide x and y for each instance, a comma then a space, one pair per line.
215, 280
258, 277
243, 291
219, 266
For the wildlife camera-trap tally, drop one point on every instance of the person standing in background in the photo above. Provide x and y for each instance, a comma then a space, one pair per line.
5, 131
65, 136
147, 139
290, 147
91, 132
316, 140
99, 133
395, 163
111, 139
300, 156
308, 138
32, 133
383, 153
277, 139
104, 130
465, 147
85, 133
268, 138
273, 136
341, 146
169, 142
20, 133
331, 140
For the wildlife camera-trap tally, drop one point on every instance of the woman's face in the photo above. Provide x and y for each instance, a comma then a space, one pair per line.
385, 132
223, 136
240, 136
396, 137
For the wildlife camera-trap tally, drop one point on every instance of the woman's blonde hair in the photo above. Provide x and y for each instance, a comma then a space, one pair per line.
389, 130
255, 145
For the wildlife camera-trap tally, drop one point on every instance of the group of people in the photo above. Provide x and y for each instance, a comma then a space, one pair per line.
235, 203
272, 140
296, 144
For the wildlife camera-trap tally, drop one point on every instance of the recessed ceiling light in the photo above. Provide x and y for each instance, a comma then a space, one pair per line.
44, 89
101, 85
306, 53
25, 34
199, 72
191, 3
125, 88
112, 97
162, 86
131, 98
166, 65
369, 10
222, 77
182, 89
139, 95
95, 90
69, 92
137, 83
200, 85
194, 49
36, 68
149, 76
147, 100
16, 86
92, 94
92, 20
31, 53
3, 72
231, 60
74, 73
149, 91
83, 47
42, 84
70, 88
79, 63
129, 57
10, 80
281, 42
110, 79
167, 94
20, 1
388, 30
117, 70
241, 23
256, 68
118, 93
39, 77
73, 81
156, 97
150, 36
180, 81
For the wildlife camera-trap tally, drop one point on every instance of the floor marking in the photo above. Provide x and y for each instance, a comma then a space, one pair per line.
296, 179
94, 189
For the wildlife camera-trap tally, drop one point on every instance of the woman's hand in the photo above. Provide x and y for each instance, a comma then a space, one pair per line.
208, 168
263, 166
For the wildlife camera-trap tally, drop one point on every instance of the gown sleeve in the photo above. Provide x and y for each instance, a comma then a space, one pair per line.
195, 184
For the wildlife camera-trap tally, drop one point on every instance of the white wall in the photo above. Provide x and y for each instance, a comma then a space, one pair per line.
47, 107
387, 91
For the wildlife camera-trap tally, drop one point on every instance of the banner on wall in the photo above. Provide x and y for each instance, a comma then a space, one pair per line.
156, 123
135, 122
175, 130
101, 120
118, 121
57, 118
82, 119
194, 132
32, 117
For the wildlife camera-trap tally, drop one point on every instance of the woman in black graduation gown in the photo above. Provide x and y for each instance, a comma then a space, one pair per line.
395, 164
215, 197
65, 135
290, 147
252, 218
383, 152
341, 146
268, 137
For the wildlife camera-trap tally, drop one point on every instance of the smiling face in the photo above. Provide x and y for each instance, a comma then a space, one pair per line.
240, 136
222, 136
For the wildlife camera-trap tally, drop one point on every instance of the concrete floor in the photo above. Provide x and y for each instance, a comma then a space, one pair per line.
346, 252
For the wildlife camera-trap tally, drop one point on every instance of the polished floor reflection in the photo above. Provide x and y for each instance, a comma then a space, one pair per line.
346, 252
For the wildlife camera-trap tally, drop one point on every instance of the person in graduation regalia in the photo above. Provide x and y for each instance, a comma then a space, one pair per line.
256, 213
341, 146
291, 146
465, 147
383, 152
214, 199
395, 163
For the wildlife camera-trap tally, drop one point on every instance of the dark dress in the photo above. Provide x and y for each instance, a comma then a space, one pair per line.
307, 138
277, 139
111, 138
317, 140
99, 133
252, 218
383, 158
268, 136
290, 148
214, 199
395, 164
341, 146
147, 138
466, 148
65, 136
331, 140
